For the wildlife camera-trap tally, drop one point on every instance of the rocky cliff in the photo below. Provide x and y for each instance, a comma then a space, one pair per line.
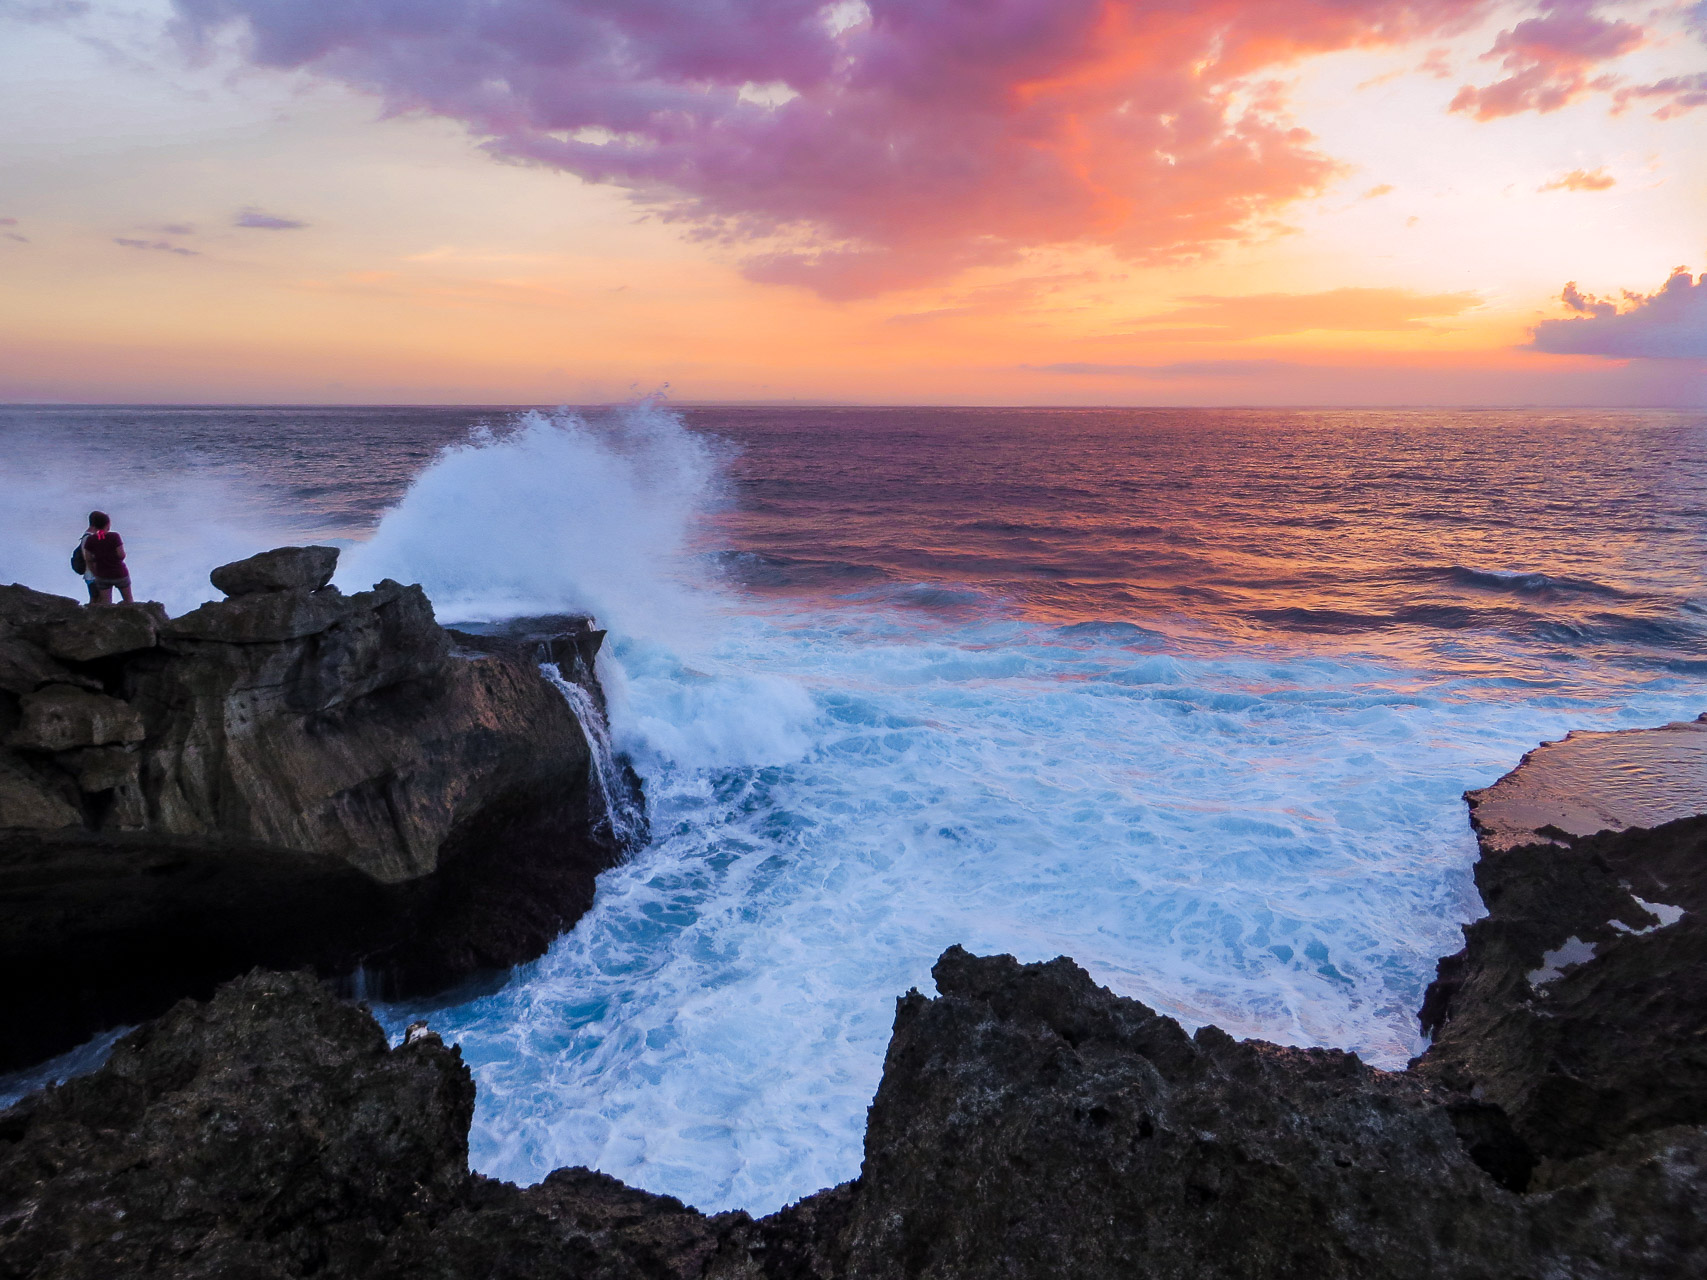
1028, 1124
291, 775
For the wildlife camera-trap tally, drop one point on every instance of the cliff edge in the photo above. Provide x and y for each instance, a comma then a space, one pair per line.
288, 776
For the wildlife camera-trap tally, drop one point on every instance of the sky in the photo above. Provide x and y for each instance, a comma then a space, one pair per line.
895, 201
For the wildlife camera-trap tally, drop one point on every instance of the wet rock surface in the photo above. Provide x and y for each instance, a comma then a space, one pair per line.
1579, 1004
290, 776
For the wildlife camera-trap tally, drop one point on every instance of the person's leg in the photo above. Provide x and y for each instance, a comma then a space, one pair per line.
124, 590
90, 583
102, 593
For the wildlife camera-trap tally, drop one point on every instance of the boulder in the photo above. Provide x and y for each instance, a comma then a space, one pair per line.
61, 717
281, 569
105, 630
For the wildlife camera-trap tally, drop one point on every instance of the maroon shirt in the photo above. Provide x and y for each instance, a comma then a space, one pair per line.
105, 553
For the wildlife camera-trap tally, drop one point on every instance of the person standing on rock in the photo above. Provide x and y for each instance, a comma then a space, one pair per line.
103, 559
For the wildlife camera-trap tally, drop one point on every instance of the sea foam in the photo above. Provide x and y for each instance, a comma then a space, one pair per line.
1265, 838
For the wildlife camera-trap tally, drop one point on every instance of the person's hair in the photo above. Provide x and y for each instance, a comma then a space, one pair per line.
100, 520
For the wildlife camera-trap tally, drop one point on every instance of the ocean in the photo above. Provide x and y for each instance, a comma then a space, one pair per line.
1188, 695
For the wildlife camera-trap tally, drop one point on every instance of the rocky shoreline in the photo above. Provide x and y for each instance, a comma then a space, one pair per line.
1028, 1123
288, 777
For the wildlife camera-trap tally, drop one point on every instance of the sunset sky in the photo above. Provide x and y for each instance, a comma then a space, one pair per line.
900, 201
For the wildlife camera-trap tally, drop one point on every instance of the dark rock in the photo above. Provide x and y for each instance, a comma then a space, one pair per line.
262, 737
269, 1133
29, 800
268, 618
281, 569
63, 718
1029, 1124
30, 612
272, 1133
1574, 1008
26, 667
103, 630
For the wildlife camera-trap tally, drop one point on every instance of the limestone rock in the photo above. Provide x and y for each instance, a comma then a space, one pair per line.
262, 1135
271, 617
103, 630
281, 569
287, 777
61, 717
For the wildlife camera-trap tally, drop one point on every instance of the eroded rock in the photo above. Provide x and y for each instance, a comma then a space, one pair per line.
284, 727
105, 630
62, 717
1029, 1125
281, 569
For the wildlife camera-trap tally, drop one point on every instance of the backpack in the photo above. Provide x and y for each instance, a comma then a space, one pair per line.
78, 563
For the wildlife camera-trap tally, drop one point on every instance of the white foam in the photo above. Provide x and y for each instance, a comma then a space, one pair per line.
1573, 951
1271, 841
1666, 916
555, 514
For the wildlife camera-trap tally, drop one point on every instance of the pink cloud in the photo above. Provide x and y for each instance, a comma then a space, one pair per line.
1674, 95
1551, 60
1668, 324
856, 150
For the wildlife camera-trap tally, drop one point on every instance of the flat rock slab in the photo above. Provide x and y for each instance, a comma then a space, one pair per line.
1589, 782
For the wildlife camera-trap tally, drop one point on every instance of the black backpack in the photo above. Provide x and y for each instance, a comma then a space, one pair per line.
78, 563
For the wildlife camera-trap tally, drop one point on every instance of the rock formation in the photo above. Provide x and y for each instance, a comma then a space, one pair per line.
1579, 1004
287, 776
1028, 1124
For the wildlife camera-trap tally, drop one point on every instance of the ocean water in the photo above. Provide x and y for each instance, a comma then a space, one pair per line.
1190, 696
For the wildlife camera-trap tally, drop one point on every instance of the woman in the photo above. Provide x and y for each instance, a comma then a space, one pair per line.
103, 559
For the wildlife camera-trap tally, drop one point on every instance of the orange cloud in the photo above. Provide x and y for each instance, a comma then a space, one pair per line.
1581, 180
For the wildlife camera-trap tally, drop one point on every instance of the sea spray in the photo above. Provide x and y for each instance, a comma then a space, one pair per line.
551, 513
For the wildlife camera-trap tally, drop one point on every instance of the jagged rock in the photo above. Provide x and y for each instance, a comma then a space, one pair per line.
269, 1133
281, 569
1574, 1007
272, 1133
274, 741
103, 630
1579, 1003
1029, 1124
61, 717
